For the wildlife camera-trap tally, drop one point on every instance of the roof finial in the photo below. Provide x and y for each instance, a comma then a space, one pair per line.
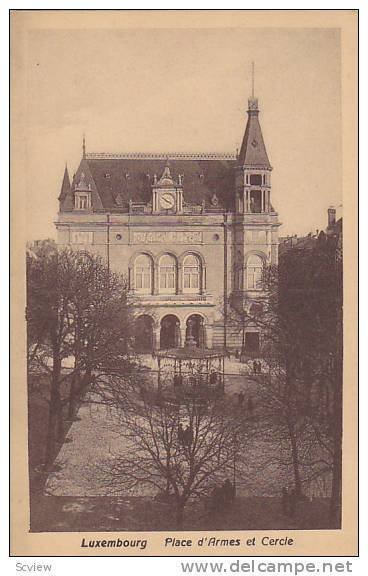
84, 145
252, 101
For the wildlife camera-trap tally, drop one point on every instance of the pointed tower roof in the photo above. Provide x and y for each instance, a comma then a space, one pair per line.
65, 187
253, 150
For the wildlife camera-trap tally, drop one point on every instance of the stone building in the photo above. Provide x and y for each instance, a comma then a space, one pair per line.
191, 231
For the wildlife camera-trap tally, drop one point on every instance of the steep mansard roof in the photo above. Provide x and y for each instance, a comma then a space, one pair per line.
117, 179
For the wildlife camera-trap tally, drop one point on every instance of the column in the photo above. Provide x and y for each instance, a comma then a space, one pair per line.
183, 330
180, 279
203, 280
208, 335
156, 337
156, 277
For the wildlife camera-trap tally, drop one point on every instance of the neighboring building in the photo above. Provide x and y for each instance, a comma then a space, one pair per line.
332, 233
192, 231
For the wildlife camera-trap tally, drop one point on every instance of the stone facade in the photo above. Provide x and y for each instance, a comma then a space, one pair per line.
192, 232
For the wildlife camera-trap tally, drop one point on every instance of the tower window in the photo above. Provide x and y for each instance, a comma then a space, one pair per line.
255, 201
254, 272
255, 179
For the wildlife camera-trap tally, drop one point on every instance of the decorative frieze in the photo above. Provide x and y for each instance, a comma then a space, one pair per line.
168, 237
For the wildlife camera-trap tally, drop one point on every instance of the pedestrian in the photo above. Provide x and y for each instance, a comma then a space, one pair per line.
228, 491
259, 367
254, 367
241, 397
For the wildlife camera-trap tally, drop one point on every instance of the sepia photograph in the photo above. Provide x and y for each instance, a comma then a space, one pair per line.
184, 288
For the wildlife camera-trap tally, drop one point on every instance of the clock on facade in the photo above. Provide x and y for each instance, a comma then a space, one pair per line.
167, 201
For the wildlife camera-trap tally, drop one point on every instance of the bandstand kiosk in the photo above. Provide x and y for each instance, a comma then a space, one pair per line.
191, 372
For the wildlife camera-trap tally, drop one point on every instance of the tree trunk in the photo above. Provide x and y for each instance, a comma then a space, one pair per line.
55, 412
72, 404
295, 460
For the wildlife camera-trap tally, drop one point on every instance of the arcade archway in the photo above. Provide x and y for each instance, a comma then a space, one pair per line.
169, 332
144, 333
195, 330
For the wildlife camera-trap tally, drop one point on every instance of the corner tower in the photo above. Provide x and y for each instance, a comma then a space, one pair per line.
253, 173
255, 220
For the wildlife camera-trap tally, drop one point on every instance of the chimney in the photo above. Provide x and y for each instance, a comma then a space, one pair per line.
331, 217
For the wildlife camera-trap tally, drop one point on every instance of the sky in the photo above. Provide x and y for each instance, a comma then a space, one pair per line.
185, 90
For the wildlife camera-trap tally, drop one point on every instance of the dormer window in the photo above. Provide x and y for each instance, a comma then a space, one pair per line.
82, 201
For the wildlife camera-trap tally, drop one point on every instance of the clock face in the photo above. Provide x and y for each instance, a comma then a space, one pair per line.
167, 200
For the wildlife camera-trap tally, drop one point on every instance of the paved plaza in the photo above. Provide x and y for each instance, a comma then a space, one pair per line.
93, 436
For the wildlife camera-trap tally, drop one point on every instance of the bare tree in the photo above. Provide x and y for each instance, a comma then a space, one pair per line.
180, 447
76, 309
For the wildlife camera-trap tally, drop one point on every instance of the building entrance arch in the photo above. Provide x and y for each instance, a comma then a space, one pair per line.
169, 332
195, 332
143, 339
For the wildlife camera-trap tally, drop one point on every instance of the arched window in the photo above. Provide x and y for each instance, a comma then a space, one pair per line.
254, 272
192, 274
167, 274
143, 274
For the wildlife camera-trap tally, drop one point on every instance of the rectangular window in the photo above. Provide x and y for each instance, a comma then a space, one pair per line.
186, 281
